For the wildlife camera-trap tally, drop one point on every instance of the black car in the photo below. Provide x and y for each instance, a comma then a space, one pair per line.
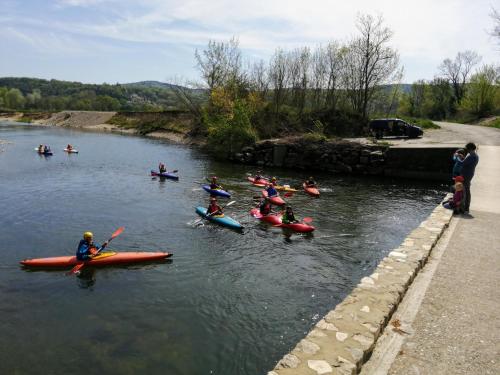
394, 127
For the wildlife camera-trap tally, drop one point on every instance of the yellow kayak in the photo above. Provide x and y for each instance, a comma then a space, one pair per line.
284, 188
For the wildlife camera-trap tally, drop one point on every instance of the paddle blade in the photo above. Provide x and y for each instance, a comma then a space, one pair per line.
307, 220
230, 203
117, 233
76, 269
288, 195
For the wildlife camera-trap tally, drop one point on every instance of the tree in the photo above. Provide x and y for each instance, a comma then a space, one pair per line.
220, 63
457, 72
482, 91
368, 62
439, 101
279, 77
496, 29
14, 99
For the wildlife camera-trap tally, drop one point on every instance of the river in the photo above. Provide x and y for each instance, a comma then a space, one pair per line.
227, 303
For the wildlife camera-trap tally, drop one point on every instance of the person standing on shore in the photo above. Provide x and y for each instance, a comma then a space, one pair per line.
468, 168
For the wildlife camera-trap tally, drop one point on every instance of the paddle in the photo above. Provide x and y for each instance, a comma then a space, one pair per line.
288, 194
307, 220
207, 216
77, 268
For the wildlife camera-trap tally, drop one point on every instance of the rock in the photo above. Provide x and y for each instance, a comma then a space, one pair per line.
308, 347
289, 361
341, 336
320, 366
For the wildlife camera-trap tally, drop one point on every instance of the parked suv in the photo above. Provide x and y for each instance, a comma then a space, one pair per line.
394, 127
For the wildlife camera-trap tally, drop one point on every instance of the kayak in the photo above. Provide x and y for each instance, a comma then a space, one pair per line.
277, 200
103, 259
284, 188
225, 221
44, 153
72, 151
312, 191
261, 183
218, 192
165, 175
275, 220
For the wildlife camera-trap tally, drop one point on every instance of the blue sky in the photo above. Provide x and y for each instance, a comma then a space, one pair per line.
127, 41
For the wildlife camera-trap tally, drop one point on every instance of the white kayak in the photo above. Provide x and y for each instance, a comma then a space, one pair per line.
72, 151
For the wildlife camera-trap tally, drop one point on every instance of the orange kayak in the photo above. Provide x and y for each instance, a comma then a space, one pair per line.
103, 259
312, 191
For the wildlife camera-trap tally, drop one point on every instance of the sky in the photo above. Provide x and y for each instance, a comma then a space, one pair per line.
111, 41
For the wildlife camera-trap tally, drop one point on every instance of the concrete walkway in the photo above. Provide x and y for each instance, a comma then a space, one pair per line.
450, 316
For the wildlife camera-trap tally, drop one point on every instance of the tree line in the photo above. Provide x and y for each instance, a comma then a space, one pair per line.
54, 95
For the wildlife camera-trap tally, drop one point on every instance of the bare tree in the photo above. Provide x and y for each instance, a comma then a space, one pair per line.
298, 62
457, 72
334, 60
258, 78
278, 76
368, 62
220, 63
318, 77
496, 29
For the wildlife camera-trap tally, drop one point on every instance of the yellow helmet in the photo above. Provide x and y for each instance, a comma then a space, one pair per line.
88, 235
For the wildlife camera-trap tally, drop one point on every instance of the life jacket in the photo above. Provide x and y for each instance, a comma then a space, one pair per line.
213, 208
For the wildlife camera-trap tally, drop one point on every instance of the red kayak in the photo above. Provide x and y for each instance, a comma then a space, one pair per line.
260, 183
103, 259
312, 191
274, 200
275, 220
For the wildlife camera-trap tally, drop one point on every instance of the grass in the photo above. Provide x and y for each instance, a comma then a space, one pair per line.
148, 124
495, 123
25, 119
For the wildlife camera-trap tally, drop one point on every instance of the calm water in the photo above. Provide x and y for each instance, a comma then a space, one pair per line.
228, 303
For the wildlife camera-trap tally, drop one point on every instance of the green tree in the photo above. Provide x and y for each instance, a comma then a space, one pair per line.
482, 91
14, 99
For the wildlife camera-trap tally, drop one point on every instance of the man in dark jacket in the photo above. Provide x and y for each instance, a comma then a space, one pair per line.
468, 168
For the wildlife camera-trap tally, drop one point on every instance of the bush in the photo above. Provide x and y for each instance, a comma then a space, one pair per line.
229, 134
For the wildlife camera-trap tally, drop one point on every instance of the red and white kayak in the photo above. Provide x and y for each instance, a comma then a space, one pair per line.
260, 183
103, 259
276, 200
312, 191
275, 220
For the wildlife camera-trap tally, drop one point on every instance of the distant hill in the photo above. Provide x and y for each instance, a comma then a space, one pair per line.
56, 95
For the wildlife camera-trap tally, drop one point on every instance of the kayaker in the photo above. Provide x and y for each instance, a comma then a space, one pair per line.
162, 168
265, 207
40, 149
86, 248
214, 185
213, 208
69, 147
257, 178
288, 216
271, 191
310, 182
46, 149
274, 181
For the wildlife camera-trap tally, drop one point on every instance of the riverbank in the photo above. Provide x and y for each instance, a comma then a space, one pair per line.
172, 126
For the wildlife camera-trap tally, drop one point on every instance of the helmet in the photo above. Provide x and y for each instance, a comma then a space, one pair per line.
273, 179
88, 235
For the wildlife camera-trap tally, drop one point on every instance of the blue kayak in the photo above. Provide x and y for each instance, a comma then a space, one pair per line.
165, 175
224, 221
219, 192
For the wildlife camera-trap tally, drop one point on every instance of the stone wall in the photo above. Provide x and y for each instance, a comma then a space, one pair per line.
429, 163
343, 340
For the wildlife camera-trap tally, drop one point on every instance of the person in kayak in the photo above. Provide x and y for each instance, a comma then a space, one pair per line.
86, 248
271, 191
162, 168
265, 207
214, 209
310, 182
214, 185
274, 181
69, 147
288, 216
40, 149
257, 178
46, 149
